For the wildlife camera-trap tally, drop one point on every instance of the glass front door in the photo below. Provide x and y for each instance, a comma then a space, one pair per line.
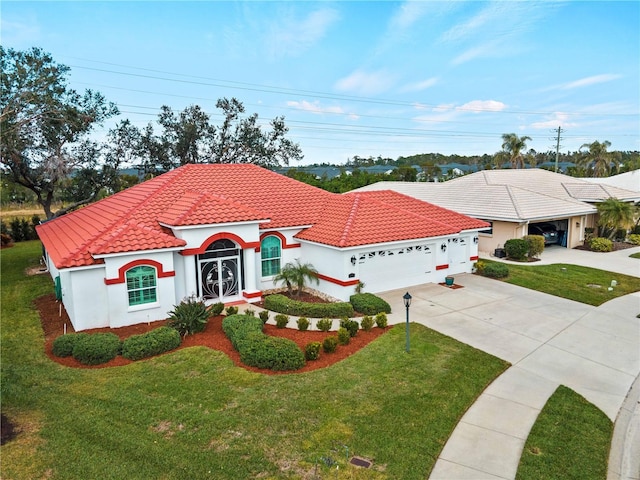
218, 278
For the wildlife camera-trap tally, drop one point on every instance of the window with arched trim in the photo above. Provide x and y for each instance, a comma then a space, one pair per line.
270, 253
141, 285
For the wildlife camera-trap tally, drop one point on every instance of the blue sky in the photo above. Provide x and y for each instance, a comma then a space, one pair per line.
360, 78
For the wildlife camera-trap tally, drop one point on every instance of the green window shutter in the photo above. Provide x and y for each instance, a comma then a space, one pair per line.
58, 288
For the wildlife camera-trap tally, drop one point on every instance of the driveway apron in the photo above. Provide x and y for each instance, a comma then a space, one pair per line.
548, 340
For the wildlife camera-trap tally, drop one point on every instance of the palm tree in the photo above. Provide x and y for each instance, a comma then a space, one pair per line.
615, 214
597, 158
286, 276
514, 145
296, 274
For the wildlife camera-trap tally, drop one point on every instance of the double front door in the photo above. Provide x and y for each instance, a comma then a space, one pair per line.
219, 272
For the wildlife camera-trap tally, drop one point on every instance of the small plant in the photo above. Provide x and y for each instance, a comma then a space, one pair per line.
312, 350
231, 310
344, 337
350, 325
496, 270
536, 245
479, 267
216, 309
251, 312
381, 320
325, 324
63, 345
634, 238
600, 244
517, 249
282, 320
359, 287
366, 323
330, 344
189, 316
588, 234
264, 316
303, 324
97, 348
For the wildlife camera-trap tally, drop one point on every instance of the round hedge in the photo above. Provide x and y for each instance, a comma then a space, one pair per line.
155, 342
97, 348
63, 345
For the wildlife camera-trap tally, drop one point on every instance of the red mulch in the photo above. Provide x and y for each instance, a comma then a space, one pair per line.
213, 337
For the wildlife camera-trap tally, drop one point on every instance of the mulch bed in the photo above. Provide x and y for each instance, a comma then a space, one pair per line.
616, 246
213, 337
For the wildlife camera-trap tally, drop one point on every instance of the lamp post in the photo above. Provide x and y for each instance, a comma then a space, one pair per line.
407, 304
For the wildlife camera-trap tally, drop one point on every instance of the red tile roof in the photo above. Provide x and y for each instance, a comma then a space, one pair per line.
136, 219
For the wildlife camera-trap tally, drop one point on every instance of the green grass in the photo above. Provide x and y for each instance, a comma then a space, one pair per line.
635, 255
582, 284
193, 414
570, 440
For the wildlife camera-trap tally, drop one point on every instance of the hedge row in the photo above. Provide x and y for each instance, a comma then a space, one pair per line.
281, 304
369, 304
259, 350
155, 342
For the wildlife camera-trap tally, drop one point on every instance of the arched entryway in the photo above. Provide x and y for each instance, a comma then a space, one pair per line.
219, 271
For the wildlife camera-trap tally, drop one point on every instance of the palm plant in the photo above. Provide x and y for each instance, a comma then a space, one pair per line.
286, 276
615, 214
301, 273
597, 158
514, 145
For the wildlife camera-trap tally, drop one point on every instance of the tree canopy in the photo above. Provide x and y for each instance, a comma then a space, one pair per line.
513, 145
45, 125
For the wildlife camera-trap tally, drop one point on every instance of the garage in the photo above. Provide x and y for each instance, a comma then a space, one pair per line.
553, 231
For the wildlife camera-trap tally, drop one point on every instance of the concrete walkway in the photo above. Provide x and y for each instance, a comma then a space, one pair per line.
549, 341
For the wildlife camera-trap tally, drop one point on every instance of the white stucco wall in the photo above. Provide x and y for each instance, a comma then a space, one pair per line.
85, 297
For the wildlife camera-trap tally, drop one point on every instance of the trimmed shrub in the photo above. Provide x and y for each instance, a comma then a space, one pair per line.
634, 238
251, 312
369, 304
282, 320
516, 248
63, 345
189, 316
231, 310
259, 350
367, 323
312, 350
344, 337
536, 245
496, 270
97, 348
600, 244
216, 309
480, 264
155, 342
324, 324
350, 325
264, 316
303, 324
330, 344
381, 320
282, 304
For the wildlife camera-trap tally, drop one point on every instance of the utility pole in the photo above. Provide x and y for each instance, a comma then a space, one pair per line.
558, 147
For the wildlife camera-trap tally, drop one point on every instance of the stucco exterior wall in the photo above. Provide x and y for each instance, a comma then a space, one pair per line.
502, 231
84, 295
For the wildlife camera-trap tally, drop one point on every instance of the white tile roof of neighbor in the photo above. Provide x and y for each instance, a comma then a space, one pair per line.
627, 180
512, 195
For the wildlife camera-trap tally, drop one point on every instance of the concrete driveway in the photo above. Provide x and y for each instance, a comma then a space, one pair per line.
549, 341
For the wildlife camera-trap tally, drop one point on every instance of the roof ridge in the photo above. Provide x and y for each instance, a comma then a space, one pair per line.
514, 202
349, 223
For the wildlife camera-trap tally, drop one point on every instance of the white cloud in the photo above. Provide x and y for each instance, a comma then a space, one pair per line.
314, 107
419, 86
558, 119
366, 83
408, 14
480, 106
594, 80
291, 36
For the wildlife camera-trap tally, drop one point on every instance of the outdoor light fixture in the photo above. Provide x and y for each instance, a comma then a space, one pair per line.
407, 303
353, 259
475, 239
443, 247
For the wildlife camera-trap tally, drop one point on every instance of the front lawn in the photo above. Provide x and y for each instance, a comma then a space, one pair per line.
569, 440
193, 414
574, 282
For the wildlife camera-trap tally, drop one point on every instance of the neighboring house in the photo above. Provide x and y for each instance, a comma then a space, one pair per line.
627, 180
222, 232
514, 199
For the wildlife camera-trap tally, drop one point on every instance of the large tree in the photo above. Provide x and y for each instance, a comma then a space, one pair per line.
513, 145
190, 137
43, 123
597, 161
615, 214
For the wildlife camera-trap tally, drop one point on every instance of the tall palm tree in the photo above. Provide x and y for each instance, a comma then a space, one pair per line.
514, 145
296, 273
597, 158
615, 214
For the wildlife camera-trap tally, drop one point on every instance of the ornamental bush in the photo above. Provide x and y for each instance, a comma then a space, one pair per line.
367, 323
264, 316
600, 244
238, 327
634, 238
312, 350
536, 245
303, 324
282, 320
516, 248
344, 337
350, 325
330, 344
96, 348
282, 304
496, 270
381, 320
216, 309
231, 310
189, 316
155, 342
63, 345
324, 324
369, 304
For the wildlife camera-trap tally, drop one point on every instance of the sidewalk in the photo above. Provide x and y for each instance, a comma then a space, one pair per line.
548, 340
